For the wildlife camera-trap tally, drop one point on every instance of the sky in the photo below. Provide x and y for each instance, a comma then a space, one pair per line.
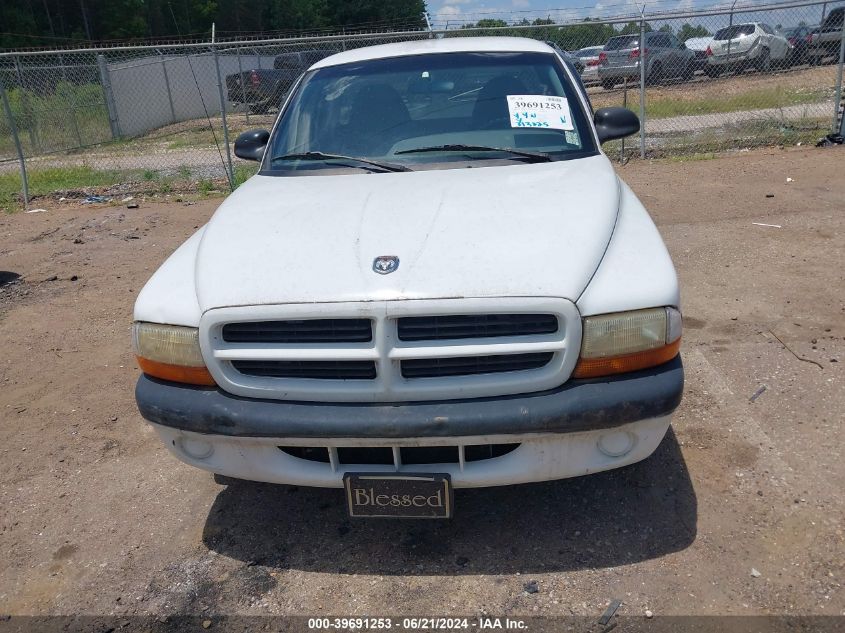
451, 13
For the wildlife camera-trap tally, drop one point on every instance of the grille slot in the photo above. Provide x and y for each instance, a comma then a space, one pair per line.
409, 455
470, 365
300, 331
318, 369
461, 326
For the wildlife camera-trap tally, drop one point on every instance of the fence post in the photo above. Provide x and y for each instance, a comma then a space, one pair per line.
243, 88
231, 173
27, 110
642, 82
108, 96
13, 128
167, 85
837, 101
730, 24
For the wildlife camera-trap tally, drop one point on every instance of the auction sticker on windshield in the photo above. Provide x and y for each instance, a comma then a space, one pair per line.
543, 111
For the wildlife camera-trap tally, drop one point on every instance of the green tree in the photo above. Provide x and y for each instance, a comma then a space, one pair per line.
27, 23
486, 23
687, 31
633, 28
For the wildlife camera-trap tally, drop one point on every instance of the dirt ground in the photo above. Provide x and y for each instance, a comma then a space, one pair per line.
97, 518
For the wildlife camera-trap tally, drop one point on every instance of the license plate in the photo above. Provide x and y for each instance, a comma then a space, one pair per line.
405, 495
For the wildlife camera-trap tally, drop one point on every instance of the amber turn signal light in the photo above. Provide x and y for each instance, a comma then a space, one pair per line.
595, 367
176, 373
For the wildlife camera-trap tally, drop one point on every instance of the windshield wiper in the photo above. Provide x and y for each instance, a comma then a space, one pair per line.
537, 157
355, 159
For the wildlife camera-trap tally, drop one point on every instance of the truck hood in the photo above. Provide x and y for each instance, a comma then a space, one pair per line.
515, 230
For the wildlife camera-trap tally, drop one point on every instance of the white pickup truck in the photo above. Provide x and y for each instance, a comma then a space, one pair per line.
436, 280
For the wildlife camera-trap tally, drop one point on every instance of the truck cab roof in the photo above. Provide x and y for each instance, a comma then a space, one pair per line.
432, 46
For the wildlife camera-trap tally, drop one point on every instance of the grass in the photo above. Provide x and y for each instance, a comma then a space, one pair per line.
50, 180
709, 143
243, 173
46, 181
688, 158
660, 106
69, 116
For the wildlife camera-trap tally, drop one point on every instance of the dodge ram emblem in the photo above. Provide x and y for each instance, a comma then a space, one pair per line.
385, 264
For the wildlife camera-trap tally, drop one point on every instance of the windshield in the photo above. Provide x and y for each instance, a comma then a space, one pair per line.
733, 32
424, 110
622, 41
591, 51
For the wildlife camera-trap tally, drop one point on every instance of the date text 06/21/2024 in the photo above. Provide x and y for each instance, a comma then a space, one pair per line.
416, 624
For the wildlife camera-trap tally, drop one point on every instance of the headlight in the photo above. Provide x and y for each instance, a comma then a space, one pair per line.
170, 352
628, 341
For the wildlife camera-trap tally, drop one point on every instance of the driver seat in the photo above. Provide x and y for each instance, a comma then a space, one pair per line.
491, 105
376, 118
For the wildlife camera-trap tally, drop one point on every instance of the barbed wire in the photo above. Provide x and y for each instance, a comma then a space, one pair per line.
439, 21
650, 8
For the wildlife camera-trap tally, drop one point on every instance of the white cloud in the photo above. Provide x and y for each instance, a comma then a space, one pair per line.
448, 11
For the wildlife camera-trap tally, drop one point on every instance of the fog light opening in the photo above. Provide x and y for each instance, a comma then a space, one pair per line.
196, 448
616, 443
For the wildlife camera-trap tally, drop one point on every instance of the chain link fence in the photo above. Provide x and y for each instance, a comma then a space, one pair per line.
123, 120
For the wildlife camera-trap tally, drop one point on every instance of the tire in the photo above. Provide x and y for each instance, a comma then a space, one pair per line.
608, 84
689, 72
764, 61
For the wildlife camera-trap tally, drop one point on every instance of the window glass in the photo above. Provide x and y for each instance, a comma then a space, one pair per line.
389, 109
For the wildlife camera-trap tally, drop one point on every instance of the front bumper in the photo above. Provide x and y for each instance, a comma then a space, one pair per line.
542, 457
578, 405
564, 432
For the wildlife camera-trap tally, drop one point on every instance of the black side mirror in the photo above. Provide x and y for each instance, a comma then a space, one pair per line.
613, 123
250, 145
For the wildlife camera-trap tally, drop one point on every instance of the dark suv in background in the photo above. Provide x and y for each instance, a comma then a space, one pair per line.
824, 41
260, 89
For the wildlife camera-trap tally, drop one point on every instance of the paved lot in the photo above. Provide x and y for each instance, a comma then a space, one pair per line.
95, 515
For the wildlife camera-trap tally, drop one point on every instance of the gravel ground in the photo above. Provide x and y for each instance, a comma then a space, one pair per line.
97, 518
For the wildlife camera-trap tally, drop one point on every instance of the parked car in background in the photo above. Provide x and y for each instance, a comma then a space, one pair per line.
568, 57
576, 67
698, 46
824, 41
666, 58
260, 89
369, 313
743, 46
590, 59
799, 41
